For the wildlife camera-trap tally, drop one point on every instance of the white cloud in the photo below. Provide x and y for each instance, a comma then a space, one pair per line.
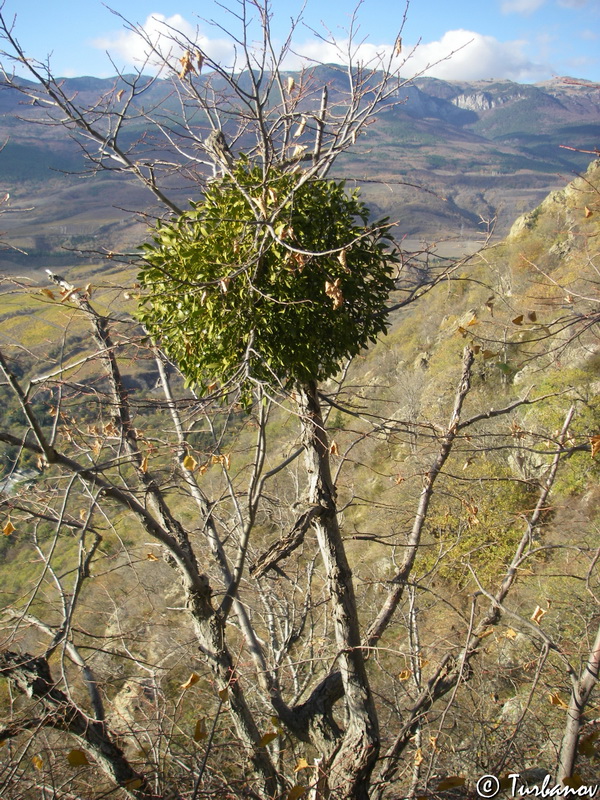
458, 55
521, 6
167, 36
467, 55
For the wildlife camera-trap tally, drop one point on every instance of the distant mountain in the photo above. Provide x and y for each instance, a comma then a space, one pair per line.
483, 149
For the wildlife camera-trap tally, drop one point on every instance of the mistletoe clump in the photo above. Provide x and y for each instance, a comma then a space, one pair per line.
267, 280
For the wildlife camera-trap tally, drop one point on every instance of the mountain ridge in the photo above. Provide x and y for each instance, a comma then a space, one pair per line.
490, 149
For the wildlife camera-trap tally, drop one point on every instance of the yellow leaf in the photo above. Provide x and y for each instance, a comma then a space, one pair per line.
296, 792
399, 479
587, 212
538, 614
200, 730
474, 321
144, 464
510, 634
462, 331
556, 700
189, 463
333, 291
595, 445
302, 764
404, 675
398, 46
120, 94
77, 758
418, 757
487, 632
266, 738
342, 258
334, 449
199, 60
186, 64
194, 678
48, 292
152, 557
290, 84
8, 528
450, 782
224, 283
223, 695
518, 320
38, 762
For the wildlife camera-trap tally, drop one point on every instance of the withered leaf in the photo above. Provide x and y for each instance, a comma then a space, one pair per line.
189, 463
296, 792
77, 758
557, 700
200, 730
451, 782
538, 614
194, 678
187, 65
333, 291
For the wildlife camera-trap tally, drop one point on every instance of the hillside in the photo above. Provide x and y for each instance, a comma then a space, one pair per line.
482, 150
479, 607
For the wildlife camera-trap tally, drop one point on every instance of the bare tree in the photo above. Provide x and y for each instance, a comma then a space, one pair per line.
245, 488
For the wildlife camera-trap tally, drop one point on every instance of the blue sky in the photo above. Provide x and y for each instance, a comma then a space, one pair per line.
523, 40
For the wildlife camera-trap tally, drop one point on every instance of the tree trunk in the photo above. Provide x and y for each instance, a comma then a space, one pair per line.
350, 768
580, 695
